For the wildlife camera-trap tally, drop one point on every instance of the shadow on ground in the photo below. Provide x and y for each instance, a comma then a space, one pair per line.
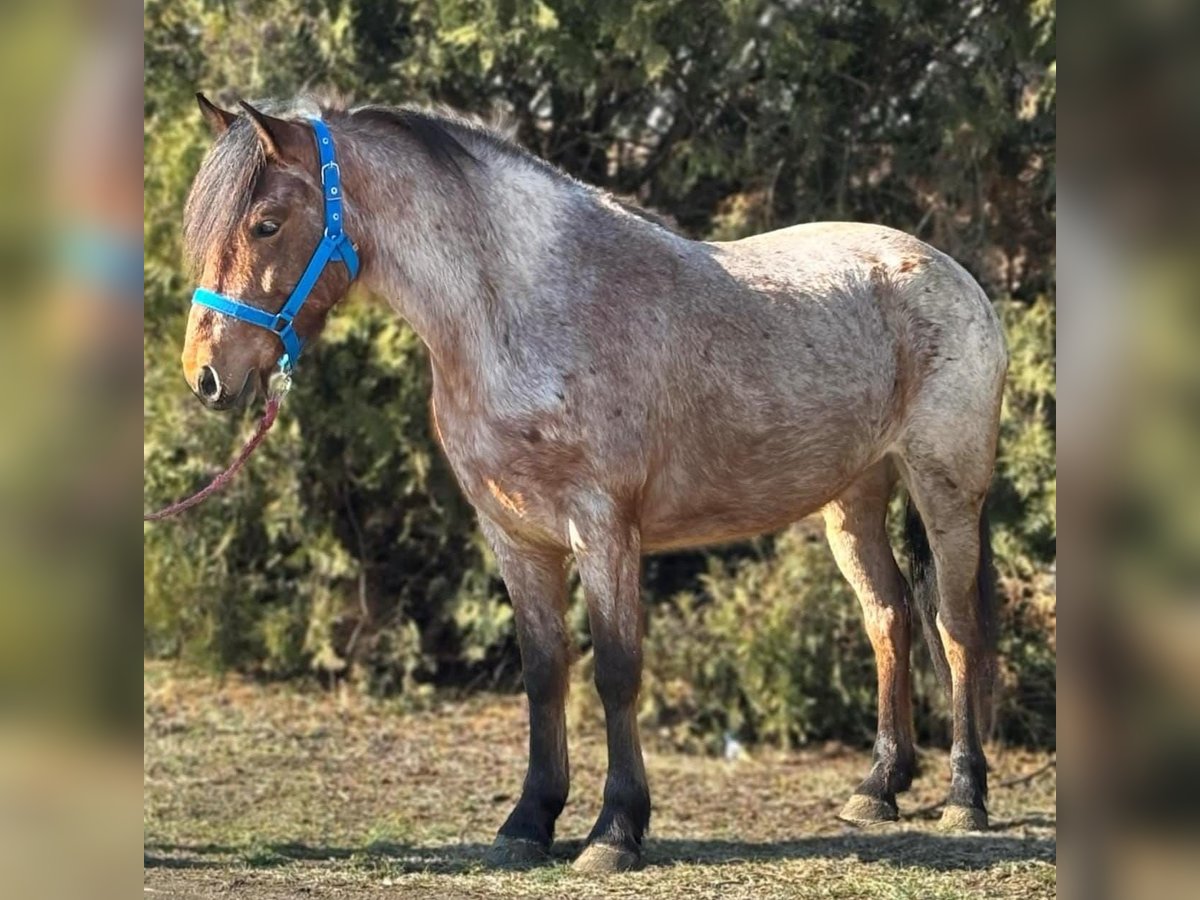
943, 853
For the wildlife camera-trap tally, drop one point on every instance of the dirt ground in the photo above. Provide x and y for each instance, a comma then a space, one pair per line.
266, 792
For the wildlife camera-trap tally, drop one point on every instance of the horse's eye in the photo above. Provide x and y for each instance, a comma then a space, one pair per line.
266, 228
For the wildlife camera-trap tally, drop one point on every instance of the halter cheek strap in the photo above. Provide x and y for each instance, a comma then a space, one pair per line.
334, 244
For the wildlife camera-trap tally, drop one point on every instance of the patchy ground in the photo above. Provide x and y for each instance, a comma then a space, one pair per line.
263, 792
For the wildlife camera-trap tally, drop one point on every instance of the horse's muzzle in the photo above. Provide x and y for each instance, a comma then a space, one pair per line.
215, 395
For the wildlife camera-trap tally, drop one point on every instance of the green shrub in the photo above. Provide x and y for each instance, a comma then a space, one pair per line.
770, 649
1024, 495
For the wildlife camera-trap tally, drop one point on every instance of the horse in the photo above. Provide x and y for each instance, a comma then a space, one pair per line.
604, 387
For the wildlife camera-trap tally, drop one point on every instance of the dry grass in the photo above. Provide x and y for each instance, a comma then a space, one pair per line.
265, 792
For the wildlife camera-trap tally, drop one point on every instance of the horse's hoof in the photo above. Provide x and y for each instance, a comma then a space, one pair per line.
515, 853
862, 811
602, 859
963, 818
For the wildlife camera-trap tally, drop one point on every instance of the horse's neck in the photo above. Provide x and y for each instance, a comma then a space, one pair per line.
461, 276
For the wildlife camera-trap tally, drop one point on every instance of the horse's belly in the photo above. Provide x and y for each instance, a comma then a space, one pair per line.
709, 499
717, 525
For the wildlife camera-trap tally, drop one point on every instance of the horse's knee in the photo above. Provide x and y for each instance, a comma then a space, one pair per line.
544, 671
618, 676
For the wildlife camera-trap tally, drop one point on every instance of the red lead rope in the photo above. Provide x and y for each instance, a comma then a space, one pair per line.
264, 425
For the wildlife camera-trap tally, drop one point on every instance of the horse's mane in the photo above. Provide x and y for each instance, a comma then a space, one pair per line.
443, 134
451, 139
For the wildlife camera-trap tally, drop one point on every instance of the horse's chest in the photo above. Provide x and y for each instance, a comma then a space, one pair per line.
518, 472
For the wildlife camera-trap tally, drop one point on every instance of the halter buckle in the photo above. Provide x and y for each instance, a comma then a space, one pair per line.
335, 180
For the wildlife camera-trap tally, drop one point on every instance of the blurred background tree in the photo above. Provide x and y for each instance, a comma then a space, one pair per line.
346, 551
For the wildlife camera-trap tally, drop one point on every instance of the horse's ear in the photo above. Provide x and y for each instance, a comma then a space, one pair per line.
282, 140
218, 119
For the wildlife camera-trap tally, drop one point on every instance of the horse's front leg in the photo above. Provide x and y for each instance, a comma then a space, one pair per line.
536, 582
607, 550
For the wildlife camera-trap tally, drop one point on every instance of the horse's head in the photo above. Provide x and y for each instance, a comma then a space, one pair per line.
252, 221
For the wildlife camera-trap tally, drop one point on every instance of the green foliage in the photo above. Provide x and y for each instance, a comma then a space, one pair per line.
1026, 703
345, 549
1024, 502
770, 649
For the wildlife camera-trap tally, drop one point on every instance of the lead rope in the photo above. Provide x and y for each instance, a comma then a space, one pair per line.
280, 384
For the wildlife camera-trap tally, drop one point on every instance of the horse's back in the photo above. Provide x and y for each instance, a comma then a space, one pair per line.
932, 312
815, 257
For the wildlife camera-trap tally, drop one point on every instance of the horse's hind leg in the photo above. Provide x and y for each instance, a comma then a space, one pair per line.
536, 582
948, 475
855, 524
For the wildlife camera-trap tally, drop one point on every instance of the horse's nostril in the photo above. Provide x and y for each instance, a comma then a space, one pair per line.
208, 386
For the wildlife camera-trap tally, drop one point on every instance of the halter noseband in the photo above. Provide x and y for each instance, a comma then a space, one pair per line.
334, 243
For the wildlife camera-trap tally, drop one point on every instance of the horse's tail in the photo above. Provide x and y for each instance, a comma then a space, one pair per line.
925, 596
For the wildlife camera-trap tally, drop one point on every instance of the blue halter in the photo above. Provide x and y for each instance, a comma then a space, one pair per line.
335, 243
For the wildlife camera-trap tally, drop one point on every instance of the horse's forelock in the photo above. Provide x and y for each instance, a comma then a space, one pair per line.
221, 194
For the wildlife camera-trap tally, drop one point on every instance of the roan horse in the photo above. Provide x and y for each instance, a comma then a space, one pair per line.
604, 387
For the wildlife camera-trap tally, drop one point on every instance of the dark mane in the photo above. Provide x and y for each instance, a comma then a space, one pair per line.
448, 137
442, 147
445, 137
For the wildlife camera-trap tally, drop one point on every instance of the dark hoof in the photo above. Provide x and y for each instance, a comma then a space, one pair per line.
603, 859
862, 811
515, 853
963, 818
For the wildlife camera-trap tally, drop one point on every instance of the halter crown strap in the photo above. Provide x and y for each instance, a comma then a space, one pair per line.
334, 243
